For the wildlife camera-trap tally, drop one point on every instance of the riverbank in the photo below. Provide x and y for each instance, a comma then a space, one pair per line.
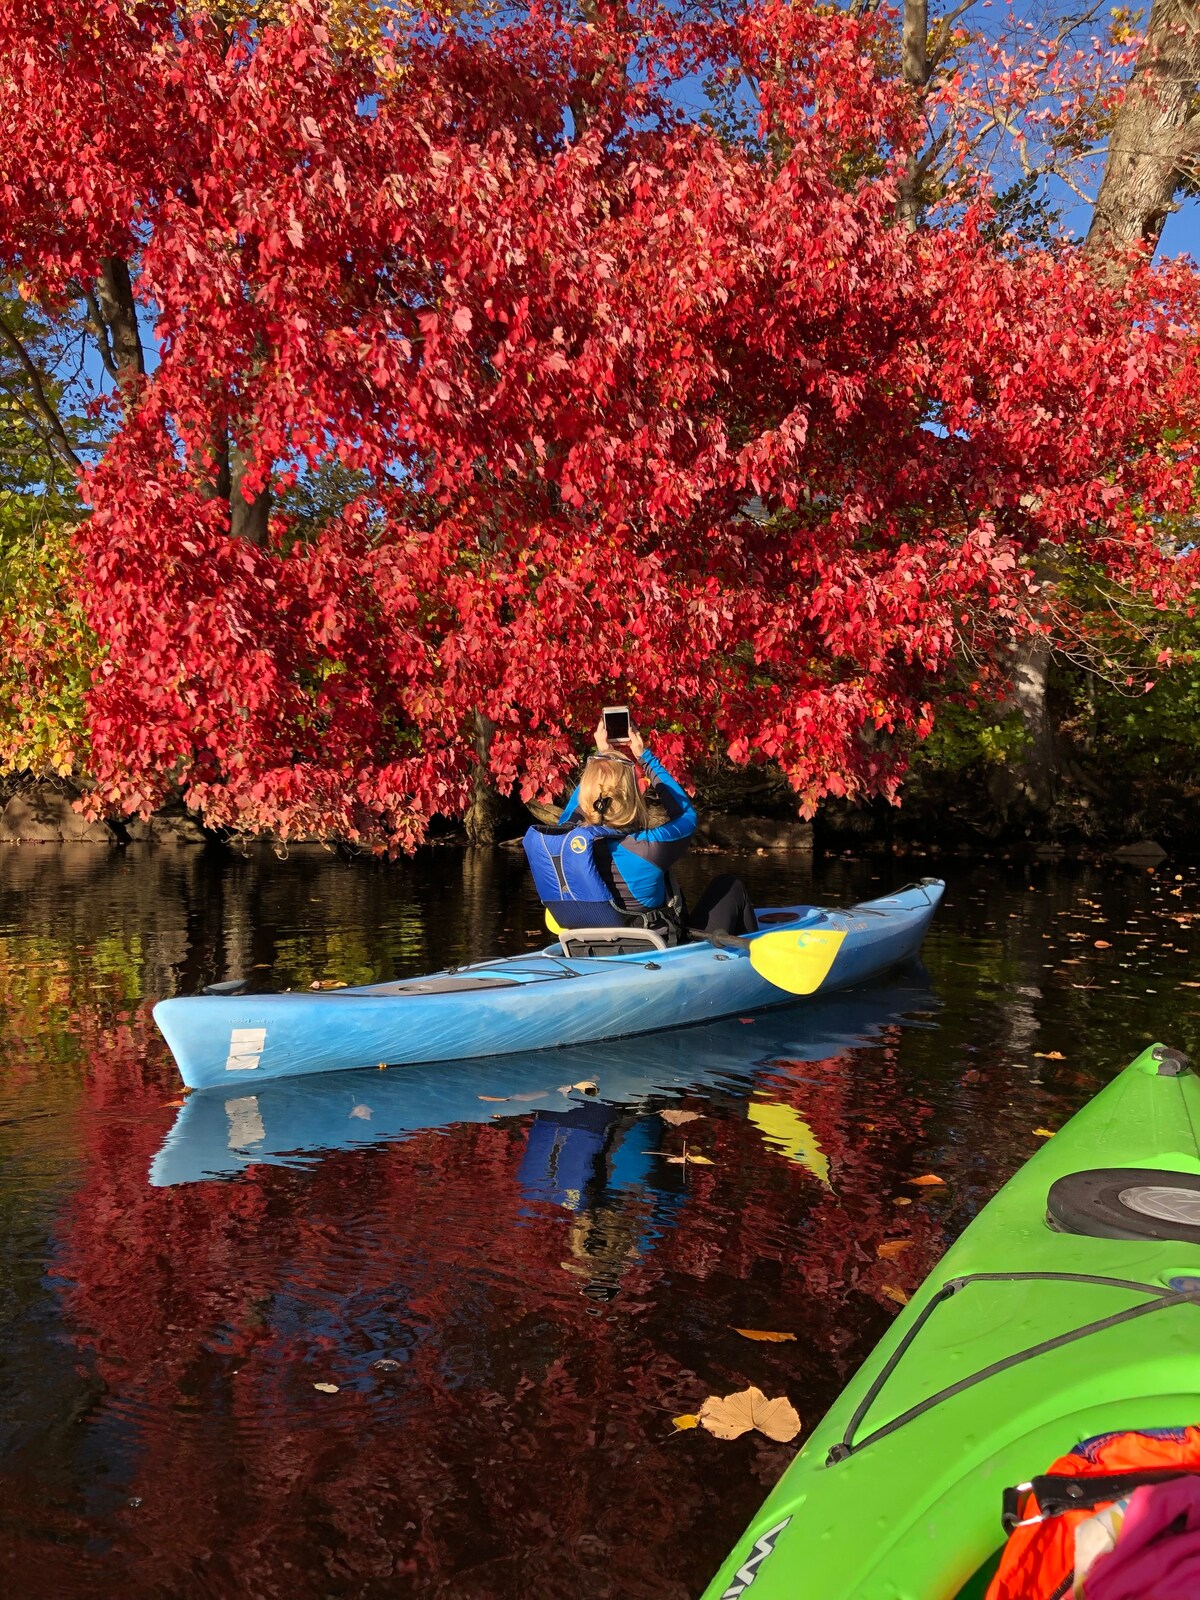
747, 812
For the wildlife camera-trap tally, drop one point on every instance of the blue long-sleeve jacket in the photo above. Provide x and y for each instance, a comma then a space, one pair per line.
641, 861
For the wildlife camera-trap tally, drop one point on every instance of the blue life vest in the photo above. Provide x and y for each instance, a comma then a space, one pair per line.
568, 877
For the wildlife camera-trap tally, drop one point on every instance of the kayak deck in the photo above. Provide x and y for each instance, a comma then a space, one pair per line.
1025, 1341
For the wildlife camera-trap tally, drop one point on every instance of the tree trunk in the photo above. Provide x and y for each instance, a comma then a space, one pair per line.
484, 810
914, 67
114, 291
1151, 153
1156, 134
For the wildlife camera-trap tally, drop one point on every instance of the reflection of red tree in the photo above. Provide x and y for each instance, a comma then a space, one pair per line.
522, 1445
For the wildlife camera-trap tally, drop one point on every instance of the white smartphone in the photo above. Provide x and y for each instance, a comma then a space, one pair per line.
616, 724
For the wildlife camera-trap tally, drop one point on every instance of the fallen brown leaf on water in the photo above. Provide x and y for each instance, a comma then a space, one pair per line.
326, 1388
735, 1414
902, 1200
687, 1420
1184, 984
1048, 1055
764, 1337
328, 983
493, 1099
686, 1159
927, 1180
1044, 1133
1102, 944
174, 1104
898, 1295
588, 1086
891, 1248
363, 1113
678, 1118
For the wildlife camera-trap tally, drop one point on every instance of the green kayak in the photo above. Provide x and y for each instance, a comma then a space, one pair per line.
1069, 1308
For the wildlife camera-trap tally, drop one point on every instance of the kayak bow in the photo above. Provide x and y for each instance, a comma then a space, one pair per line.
1031, 1336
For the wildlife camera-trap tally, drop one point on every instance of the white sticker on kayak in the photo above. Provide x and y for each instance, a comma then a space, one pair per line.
748, 1571
245, 1047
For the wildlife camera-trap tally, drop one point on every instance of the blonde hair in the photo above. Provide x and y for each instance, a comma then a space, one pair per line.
608, 794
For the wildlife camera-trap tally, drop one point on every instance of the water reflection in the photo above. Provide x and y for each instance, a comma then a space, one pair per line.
285, 1122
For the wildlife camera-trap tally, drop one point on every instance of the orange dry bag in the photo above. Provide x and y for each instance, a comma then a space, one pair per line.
1041, 1516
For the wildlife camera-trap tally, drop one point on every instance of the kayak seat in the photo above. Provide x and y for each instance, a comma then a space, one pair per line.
610, 941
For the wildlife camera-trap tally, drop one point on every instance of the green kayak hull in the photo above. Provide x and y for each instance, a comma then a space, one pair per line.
981, 1384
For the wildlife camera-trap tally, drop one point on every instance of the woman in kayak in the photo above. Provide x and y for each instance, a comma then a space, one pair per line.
640, 861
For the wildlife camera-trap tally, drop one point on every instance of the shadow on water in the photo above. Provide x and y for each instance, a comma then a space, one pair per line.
417, 1342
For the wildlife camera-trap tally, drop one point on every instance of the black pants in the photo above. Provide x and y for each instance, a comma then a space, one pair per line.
724, 907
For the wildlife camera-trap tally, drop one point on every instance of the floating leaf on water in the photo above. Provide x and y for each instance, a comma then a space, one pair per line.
387, 1365
734, 1414
1103, 944
687, 1420
588, 1086
891, 1248
686, 1159
928, 1180
1044, 1133
363, 1113
678, 1118
898, 1295
763, 1336
1048, 1055
493, 1099
902, 1200
326, 1388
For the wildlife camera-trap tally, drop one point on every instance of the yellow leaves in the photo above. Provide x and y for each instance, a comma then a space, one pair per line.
928, 1180
686, 1159
1102, 944
688, 1420
327, 1388
763, 1337
1048, 1055
891, 1248
730, 1416
898, 1295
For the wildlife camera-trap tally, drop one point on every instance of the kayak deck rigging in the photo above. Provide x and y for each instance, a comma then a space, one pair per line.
849, 1446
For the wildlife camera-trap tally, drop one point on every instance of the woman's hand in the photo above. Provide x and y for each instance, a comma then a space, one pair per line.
637, 745
602, 744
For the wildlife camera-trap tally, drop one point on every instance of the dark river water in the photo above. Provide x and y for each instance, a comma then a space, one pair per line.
436, 1350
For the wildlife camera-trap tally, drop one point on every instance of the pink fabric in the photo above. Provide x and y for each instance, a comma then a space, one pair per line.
1153, 1559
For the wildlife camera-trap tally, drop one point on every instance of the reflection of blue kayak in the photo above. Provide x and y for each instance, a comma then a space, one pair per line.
291, 1121
521, 1003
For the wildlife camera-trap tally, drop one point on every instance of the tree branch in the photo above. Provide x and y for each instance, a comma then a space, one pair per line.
58, 433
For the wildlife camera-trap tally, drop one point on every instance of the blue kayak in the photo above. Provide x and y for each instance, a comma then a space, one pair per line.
297, 1121
522, 1003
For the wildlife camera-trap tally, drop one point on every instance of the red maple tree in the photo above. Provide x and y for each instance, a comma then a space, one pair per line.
631, 408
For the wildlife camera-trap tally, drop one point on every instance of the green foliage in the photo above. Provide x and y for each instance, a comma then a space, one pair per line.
970, 738
47, 652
